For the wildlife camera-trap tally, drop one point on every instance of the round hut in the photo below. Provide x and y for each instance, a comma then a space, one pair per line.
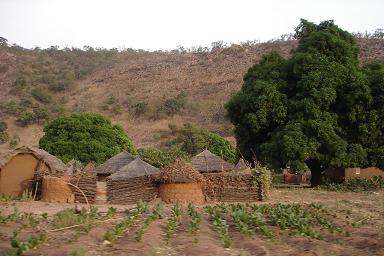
133, 182
181, 182
57, 190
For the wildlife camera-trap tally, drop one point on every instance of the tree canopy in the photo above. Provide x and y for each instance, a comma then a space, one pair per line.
317, 109
87, 137
193, 140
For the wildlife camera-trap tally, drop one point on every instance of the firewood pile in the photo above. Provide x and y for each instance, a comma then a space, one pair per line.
86, 182
131, 190
231, 187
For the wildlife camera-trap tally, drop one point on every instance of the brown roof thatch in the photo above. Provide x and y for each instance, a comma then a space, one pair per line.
136, 168
55, 164
241, 165
209, 162
113, 164
180, 172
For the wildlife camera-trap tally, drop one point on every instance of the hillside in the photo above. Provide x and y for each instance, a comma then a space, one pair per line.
143, 91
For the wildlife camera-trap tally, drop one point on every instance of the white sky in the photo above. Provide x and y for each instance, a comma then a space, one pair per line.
164, 24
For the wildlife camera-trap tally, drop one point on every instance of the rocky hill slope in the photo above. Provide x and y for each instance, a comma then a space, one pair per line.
143, 91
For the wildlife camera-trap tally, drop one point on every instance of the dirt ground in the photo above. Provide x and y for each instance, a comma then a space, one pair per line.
360, 214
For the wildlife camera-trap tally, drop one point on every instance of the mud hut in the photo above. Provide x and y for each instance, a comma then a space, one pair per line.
206, 162
20, 167
342, 174
181, 182
133, 182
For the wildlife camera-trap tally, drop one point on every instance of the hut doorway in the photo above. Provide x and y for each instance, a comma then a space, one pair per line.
17, 175
101, 192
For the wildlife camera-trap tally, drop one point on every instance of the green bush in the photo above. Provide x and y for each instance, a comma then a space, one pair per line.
86, 137
37, 115
11, 108
356, 185
3, 132
141, 108
160, 158
193, 140
174, 105
41, 95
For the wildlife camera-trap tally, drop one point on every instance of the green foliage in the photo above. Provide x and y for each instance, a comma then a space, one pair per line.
4, 137
37, 115
195, 219
160, 158
154, 215
19, 247
11, 108
262, 179
174, 105
220, 224
69, 217
140, 108
356, 185
86, 137
249, 222
122, 226
193, 140
173, 221
14, 141
317, 109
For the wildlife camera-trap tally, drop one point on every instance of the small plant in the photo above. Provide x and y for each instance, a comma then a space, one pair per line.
174, 221
248, 223
19, 247
195, 219
122, 226
220, 225
155, 214
69, 217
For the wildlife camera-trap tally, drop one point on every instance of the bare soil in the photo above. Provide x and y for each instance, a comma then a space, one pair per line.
359, 214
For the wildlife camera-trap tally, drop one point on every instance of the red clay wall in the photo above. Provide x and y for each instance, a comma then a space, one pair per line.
183, 193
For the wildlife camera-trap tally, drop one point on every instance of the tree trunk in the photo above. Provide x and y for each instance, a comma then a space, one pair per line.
316, 172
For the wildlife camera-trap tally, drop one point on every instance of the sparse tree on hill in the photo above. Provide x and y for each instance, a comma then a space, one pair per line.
317, 109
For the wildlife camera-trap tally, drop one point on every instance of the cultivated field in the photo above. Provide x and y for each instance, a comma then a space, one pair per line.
292, 222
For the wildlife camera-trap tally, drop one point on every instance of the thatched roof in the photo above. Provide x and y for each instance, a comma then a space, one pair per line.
180, 172
55, 164
113, 164
209, 162
136, 168
241, 165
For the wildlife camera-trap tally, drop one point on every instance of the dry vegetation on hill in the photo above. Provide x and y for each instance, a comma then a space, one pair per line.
143, 91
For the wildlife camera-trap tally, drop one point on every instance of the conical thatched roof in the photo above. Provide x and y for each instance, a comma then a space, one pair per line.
55, 164
180, 172
113, 164
209, 162
136, 168
241, 165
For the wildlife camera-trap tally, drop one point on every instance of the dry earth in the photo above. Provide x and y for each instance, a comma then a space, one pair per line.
360, 214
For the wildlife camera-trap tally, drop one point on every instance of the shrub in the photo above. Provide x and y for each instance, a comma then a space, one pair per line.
356, 185
140, 108
174, 105
3, 132
14, 141
193, 140
11, 108
86, 137
27, 118
41, 95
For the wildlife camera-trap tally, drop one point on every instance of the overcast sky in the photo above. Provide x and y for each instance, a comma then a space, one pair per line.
165, 24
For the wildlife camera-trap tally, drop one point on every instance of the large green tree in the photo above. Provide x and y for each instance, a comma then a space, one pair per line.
87, 137
317, 109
